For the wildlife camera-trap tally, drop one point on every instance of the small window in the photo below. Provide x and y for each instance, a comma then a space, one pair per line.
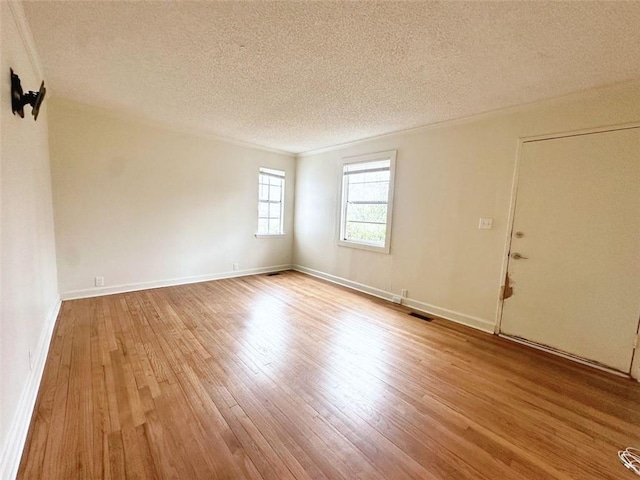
270, 202
367, 197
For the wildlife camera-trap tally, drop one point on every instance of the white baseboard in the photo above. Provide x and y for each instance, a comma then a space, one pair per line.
17, 436
463, 318
134, 287
468, 320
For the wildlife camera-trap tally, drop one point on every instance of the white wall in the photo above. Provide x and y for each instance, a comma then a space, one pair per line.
28, 288
142, 205
447, 177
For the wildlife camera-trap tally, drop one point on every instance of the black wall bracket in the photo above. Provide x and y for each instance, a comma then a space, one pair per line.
20, 99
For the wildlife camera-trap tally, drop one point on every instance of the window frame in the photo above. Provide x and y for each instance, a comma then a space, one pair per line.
272, 172
389, 155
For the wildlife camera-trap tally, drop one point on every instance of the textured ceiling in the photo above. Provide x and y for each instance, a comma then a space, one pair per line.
302, 75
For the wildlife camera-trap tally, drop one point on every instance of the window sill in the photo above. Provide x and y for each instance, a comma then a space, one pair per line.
260, 235
364, 246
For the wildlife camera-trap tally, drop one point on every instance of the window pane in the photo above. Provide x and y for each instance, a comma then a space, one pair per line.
274, 193
369, 177
274, 227
377, 176
274, 210
367, 213
368, 192
357, 178
263, 192
365, 197
270, 193
366, 232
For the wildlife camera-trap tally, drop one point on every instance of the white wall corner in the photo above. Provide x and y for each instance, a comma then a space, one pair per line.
15, 442
20, 19
360, 287
464, 319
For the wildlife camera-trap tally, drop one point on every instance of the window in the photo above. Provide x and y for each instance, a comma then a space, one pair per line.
367, 197
270, 202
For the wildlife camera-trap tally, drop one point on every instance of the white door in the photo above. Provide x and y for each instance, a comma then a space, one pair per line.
575, 252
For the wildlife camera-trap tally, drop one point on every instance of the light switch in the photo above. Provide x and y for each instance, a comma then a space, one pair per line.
485, 224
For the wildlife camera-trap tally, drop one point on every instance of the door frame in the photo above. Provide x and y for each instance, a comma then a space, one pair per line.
635, 361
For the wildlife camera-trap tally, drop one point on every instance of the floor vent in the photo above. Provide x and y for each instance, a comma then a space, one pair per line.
271, 274
421, 316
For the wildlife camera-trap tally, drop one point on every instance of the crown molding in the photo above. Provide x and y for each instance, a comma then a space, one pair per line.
513, 109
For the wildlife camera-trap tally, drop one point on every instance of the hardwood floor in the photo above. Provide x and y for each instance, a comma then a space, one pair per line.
286, 376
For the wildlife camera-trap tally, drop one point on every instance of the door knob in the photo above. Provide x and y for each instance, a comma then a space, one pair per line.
517, 256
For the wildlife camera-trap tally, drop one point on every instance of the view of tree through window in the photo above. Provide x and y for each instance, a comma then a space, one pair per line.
270, 202
365, 202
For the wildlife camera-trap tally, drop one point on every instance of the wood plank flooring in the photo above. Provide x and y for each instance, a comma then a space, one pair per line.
281, 377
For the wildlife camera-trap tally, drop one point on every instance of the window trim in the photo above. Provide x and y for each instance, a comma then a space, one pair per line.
268, 171
270, 235
371, 157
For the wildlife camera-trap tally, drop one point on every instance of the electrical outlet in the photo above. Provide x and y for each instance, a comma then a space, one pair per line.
396, 299
99, 282
403, 293
236, 266
485, 224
